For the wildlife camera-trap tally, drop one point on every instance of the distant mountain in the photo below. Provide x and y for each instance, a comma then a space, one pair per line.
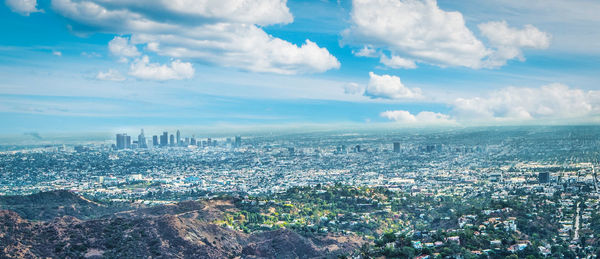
183, 230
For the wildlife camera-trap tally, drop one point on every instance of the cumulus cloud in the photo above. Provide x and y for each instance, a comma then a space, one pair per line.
110, 75
508, 41
121, 47
424, 117
226, 32
143, 69
416, 30
23, 7
554, 101
57, 53
389, 87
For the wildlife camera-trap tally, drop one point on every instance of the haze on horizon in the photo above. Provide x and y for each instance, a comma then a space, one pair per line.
101, 66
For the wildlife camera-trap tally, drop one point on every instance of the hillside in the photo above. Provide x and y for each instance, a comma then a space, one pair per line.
48, 205
183, 230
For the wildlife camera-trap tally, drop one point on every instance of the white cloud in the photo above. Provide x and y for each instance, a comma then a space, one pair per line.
110, 75
508, 41
419, 31
397, 62
353, 88
57, 53
366, 51
554, 101
389, 87
416, 30
222, 32
424, 117
23, 7
143, 69
121, 47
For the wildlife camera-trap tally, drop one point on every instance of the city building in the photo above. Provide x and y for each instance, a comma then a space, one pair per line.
120, 141
155, 141
164, 139
142, 140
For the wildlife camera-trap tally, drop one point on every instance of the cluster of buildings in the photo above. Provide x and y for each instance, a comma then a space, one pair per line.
502, 164
123, 141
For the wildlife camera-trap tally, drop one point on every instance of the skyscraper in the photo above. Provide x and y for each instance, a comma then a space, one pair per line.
142, 140
178, 138
238, 141
120, 141
127, 141
396, 147
164, 139
172, 140
155, 141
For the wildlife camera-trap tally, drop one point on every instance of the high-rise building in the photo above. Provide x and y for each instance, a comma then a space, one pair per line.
357, 149
155, 141
193, 140
172, 140
238, 141
396, 147
208, 142
142, 140
544, 177
127, 141
178, 138
164, 139
120, 141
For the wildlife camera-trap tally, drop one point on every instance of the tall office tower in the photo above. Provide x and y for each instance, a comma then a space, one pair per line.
186, 142
357, 149
120, 141
193, 140
164, 139
127, 141
172, 140
155, 141
238, 141
208, 142
544, 177
396, 147
178, 138
142, 140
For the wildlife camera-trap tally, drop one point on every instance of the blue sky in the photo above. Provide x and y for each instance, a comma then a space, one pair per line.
82, 65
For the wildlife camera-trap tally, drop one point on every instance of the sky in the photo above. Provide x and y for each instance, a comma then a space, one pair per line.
94, 65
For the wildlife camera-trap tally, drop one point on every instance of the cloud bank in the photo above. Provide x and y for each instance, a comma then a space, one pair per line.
553, 103
419, 31
224, 32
